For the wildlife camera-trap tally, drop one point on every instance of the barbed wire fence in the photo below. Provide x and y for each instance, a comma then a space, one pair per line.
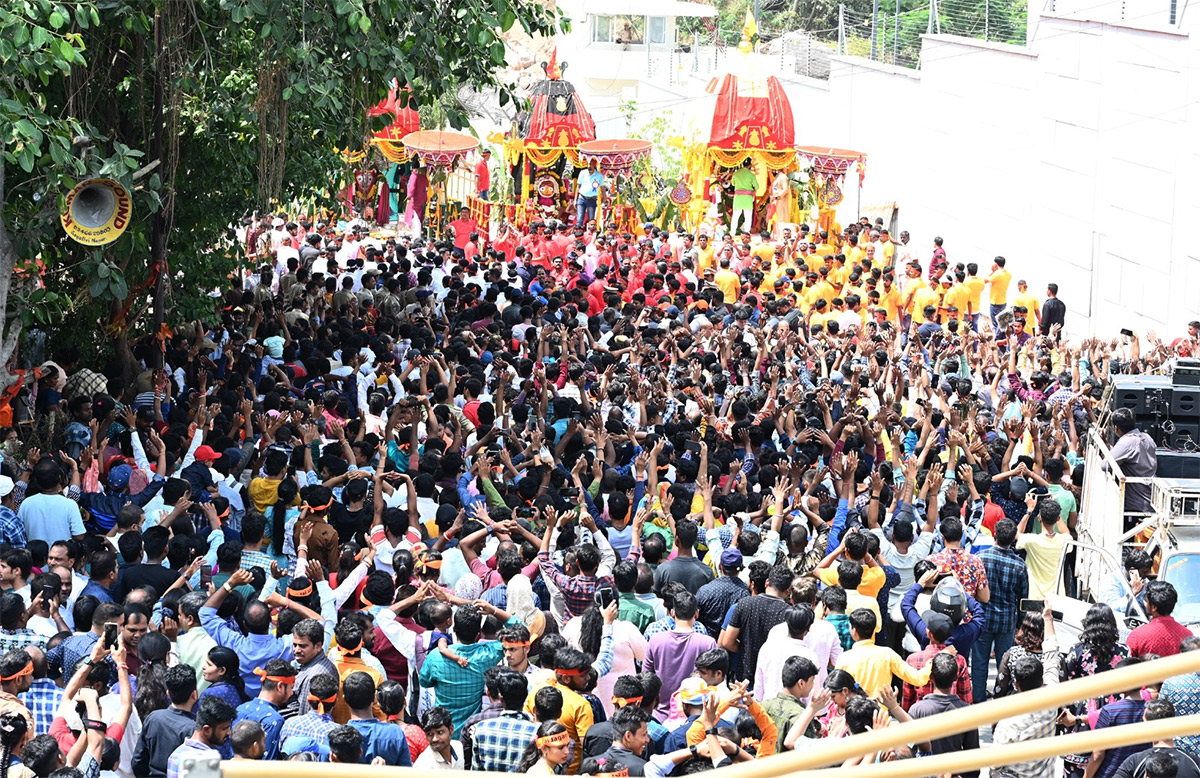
890, 32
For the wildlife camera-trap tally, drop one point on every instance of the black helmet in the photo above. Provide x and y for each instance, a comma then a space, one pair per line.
950, 600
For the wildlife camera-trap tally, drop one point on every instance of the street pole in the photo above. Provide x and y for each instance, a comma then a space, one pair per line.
158, 229
874, 26
841, 28
896, 37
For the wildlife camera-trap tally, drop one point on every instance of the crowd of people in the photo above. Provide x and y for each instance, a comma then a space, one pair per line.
571, 501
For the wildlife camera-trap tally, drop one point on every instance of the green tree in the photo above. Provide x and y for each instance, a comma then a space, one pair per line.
255, 94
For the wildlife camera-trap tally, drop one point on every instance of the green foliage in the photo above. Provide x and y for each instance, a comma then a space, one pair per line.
257, 95
658, 127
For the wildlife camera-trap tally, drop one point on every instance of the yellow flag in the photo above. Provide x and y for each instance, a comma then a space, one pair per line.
750, 29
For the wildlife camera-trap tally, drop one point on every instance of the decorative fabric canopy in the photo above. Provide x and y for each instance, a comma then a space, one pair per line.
556, 124
614, 156
833, 162
438, 148
405, 120
752, 116
751, 121
830, 166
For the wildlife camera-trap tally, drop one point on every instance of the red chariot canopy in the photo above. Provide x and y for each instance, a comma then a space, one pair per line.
747, 117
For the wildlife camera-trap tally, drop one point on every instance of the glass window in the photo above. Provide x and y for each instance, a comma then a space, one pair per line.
657, 29
619, 29
1183, 572
601, 29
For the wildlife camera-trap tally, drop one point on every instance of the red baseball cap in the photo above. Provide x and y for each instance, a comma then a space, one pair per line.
206, 454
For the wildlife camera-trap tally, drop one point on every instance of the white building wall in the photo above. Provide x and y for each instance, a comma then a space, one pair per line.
1076, 158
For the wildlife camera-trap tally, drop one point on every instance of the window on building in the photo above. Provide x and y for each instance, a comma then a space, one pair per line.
656, 30
619, 29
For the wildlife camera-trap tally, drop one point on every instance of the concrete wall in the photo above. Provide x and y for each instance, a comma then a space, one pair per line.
1075, 157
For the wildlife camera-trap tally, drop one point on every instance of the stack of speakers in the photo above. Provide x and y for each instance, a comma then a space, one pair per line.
1168, 410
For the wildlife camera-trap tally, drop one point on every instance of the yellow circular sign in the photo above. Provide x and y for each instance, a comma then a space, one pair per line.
97, 212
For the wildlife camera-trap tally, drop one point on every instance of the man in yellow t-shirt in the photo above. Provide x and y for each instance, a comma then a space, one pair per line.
1030, 302
998, 294
822, 290
856, 254
945, 284
838, 272
820, 314
728, 282
925, 295
705, 254
889, 299
885, 250
854, 548
960, 297
766, 249
975, 284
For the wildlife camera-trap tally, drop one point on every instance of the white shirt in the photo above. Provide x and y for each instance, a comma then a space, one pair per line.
771, 658
432, 760
822, 640
920, 548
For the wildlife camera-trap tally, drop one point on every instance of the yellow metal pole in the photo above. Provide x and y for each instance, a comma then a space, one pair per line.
943, 764
1019, 753
834, 752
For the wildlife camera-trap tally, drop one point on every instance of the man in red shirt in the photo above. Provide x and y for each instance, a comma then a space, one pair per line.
1163, 635
483, 177
596, 290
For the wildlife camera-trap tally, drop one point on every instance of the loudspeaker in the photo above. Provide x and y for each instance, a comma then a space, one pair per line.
1182, 436
1187, 372
1140, 393
1185, 403
1178, 464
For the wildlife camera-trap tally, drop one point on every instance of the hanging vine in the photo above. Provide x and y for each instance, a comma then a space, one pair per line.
272, 109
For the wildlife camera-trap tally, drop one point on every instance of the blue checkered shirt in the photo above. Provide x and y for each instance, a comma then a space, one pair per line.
667, 624
252, 559
498, 743
42, 699
15, 639
312, 726
1008, 582
191, 749
71, 652
12, 528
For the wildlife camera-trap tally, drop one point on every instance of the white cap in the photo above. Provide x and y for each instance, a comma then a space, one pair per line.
278, 222
6, 485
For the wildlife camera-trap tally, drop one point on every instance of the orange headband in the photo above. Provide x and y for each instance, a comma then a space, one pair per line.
318, 508
224, 515
622, 773
561, 739
321, 703
307, 590
515, 644
27, 670
621, 702
287, 680
366, 603
571, 673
